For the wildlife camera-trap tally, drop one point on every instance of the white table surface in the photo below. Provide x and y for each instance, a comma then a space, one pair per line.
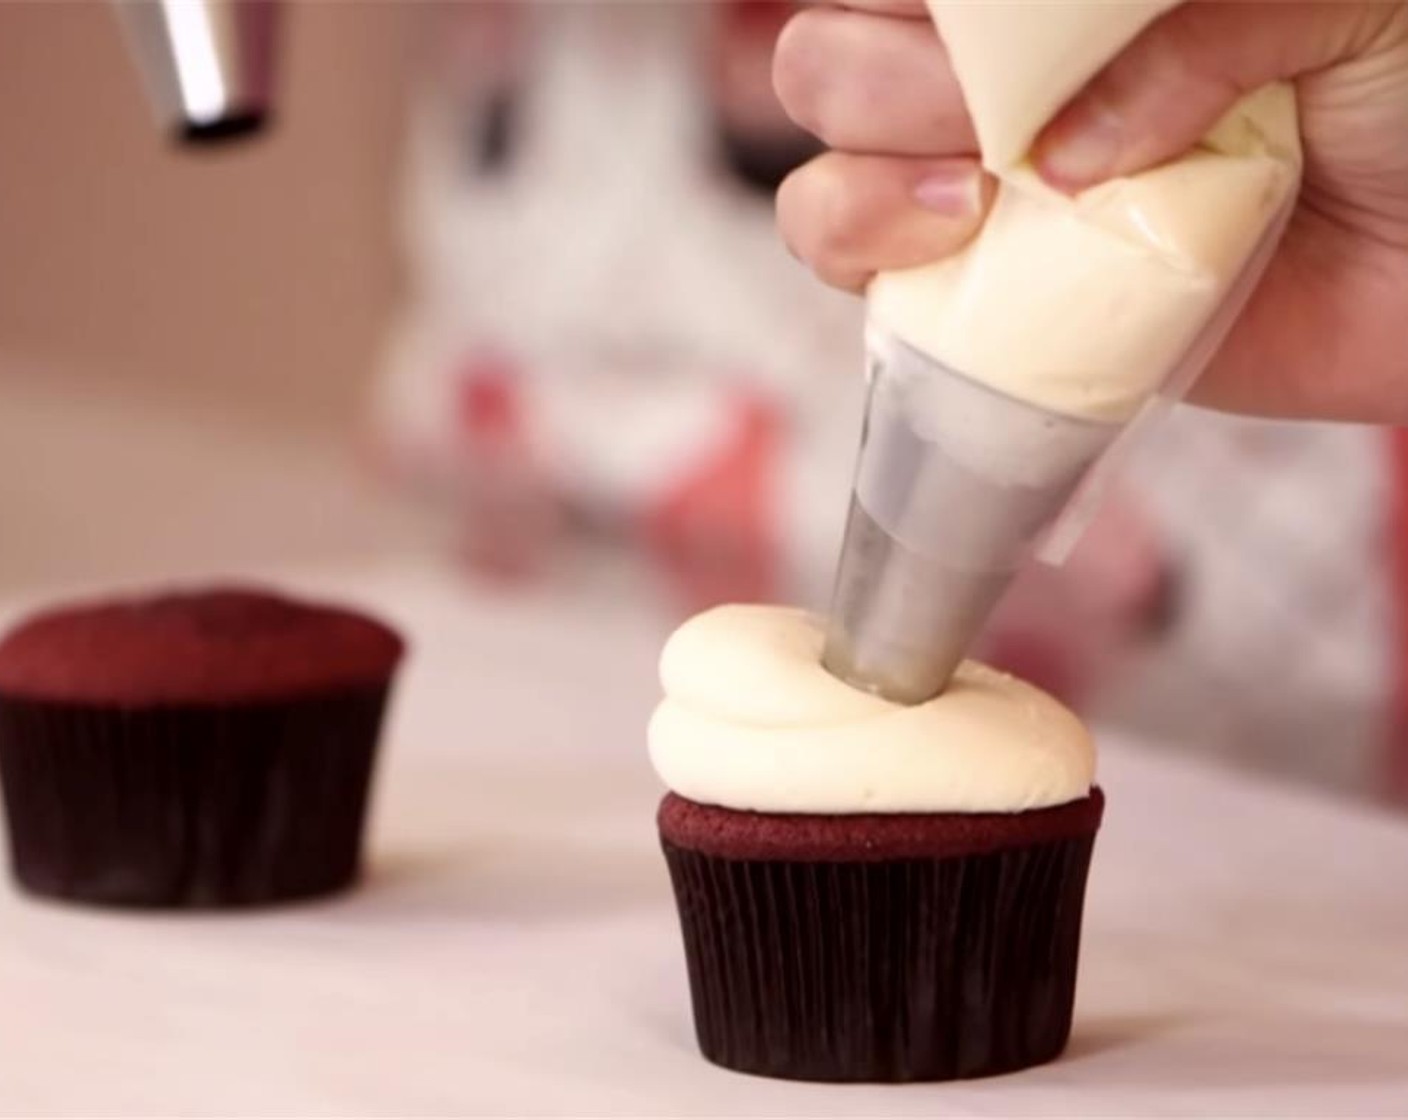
514, 949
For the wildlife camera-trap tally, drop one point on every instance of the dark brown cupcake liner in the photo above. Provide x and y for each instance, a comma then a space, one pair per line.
906, 969
189, 805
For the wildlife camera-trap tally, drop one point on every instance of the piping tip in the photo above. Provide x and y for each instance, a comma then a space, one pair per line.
955, 484
208, 65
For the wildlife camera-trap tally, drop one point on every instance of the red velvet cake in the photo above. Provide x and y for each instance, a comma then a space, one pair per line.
201, 748
730, 834
880, 947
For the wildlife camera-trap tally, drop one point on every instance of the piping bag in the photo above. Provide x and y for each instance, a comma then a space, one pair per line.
1007, 382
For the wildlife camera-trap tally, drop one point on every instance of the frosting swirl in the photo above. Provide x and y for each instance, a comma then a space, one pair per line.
751, 720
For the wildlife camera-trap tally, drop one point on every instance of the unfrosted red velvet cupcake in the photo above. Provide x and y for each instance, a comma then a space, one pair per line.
868, 892
203, 748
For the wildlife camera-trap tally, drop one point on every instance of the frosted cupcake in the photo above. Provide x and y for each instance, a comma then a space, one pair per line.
868, 892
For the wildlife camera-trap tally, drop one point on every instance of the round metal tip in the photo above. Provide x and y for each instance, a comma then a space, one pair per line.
208, 64
237, 126
954, 484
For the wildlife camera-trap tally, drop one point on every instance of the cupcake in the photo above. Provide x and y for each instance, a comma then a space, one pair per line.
868, 892
202, 749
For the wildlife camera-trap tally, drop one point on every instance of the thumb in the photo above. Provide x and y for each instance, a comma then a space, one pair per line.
1158, 97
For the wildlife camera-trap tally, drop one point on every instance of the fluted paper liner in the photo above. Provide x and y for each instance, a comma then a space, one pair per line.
188, 805
883, 969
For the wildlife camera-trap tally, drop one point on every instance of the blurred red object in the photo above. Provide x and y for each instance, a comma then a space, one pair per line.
504, 495
716, 530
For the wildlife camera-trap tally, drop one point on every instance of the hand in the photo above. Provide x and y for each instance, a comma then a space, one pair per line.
1325, 335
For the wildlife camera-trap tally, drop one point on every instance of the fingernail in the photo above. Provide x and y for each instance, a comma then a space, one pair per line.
1082, 147
956, 191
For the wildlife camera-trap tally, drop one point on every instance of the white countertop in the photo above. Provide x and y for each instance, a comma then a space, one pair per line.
514, 949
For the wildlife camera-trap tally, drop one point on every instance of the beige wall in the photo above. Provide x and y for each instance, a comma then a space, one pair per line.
258, 277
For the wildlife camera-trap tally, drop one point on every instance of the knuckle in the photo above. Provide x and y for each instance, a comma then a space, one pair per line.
842, 217
795, 215
822, 224
797, 71
830, 219
821, 218
1184, 51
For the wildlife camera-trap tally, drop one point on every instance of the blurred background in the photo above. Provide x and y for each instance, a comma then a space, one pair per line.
501, 286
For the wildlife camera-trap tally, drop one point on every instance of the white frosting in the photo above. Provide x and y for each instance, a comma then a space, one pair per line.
751, 720
1085, 305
